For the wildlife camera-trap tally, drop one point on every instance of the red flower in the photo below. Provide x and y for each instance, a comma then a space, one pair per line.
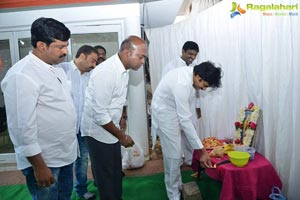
238, 125
250, 106
252, 125
238, 141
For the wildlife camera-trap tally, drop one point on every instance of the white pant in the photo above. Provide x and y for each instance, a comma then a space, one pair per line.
172, 177
187, 149
170, 139
167, 127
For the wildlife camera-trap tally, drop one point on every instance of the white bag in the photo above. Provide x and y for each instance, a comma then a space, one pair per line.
133, 157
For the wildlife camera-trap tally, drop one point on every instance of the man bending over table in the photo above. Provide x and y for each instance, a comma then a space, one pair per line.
171, 112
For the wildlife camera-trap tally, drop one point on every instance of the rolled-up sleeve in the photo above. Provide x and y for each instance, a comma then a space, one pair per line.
21, 95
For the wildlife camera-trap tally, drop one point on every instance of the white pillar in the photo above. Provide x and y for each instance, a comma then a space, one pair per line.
137, 113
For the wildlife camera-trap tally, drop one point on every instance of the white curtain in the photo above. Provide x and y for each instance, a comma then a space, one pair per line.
260, 58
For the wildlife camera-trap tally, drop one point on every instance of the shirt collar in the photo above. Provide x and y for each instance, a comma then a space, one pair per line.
183, 61
39, 61
120, 65
74, 67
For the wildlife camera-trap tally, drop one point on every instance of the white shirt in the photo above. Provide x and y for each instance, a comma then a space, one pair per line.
40, 113
79, 83
178, 62
105, 98
173, 98
173, 64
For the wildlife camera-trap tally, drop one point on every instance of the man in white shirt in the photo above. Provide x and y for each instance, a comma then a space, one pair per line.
78, 73
41, 114
190, 51
103, 109
171, 112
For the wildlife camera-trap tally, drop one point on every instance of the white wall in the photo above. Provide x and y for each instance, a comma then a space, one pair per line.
71, 15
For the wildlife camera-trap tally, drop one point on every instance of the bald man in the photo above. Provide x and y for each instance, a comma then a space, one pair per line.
105, 98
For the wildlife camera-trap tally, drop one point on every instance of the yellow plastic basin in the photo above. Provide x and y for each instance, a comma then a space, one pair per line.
239, 158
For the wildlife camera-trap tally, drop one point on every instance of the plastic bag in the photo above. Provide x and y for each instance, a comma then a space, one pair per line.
276, 194
133, 157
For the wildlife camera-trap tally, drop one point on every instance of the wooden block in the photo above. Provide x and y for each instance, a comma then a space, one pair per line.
190, 191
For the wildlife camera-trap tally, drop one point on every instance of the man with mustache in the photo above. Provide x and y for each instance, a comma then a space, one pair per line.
78, 73
41, 114
102, 53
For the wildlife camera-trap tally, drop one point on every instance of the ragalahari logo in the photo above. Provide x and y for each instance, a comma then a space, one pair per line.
236, 10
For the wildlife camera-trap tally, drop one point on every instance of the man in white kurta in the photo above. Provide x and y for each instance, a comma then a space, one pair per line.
190, 51
171, 112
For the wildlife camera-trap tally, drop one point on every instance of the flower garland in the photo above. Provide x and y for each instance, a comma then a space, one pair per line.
246, 125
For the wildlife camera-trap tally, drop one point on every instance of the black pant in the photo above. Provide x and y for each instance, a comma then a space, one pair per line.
106, 164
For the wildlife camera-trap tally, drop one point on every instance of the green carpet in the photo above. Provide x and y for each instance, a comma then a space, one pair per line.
134, 188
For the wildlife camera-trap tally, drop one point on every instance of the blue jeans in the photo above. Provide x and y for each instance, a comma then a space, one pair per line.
81, 166
61, 189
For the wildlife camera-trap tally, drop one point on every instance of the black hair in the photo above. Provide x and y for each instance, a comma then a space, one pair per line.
47, 30
190, 45
100, 47
209, 73
86, 50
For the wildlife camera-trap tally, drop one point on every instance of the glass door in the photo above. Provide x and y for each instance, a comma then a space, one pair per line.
7, 58
22, 43
108, 36
13, 47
